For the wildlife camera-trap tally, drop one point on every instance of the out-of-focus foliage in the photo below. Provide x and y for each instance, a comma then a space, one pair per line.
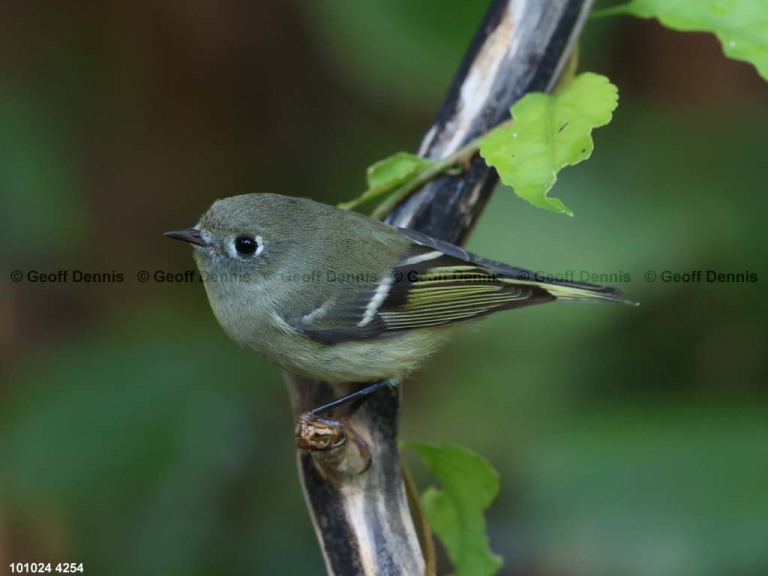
666, 490
119, 451
468, 485
400, 52
135, 437
31, 137
549, 132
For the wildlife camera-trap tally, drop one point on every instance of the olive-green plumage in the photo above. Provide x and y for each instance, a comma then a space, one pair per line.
341, 297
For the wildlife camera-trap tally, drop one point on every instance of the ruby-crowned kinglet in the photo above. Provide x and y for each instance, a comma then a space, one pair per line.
338, 296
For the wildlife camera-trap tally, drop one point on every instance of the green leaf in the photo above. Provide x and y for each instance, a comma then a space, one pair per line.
395, 170
549, 132
740, 25
469, 485
386, 175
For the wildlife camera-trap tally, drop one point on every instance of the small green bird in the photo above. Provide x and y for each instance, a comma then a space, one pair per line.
340, 297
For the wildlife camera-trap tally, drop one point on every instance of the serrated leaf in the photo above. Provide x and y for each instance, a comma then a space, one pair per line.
549, 132
740, 25
455, 512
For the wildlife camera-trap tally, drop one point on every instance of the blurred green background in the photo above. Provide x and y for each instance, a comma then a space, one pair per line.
136, 438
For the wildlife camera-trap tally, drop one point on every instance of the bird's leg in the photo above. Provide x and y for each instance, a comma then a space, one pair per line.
316, 433
351, 402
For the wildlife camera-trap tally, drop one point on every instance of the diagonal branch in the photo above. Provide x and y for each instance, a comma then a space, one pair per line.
355, 491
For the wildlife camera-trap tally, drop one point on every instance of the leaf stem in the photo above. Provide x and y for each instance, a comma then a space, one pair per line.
610, 11
460, 158
426, 539
369, 194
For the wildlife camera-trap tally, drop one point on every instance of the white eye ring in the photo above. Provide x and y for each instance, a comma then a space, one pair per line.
260, 242
247, 246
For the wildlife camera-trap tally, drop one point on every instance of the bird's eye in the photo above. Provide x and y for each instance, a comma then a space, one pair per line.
246, 245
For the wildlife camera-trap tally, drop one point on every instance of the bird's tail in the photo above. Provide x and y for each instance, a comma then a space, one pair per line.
564, 290
583, 292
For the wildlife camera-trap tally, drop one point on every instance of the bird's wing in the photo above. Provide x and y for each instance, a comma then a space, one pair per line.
434, 283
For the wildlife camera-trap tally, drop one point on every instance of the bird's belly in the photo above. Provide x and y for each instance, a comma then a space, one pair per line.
365, 360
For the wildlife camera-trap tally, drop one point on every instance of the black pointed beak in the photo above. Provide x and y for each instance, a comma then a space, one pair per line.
191, 235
